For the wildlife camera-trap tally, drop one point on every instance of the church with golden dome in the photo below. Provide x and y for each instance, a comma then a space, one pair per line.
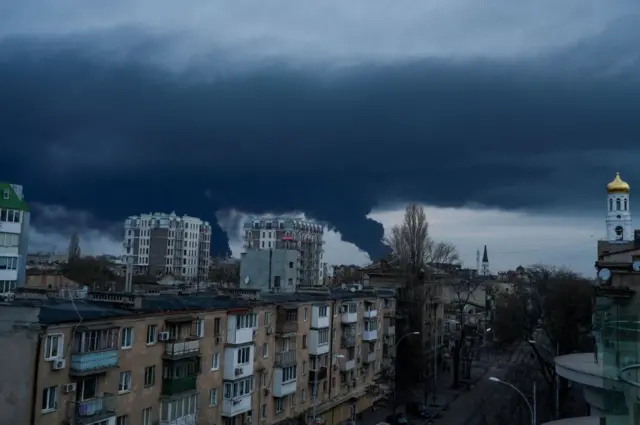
619, 223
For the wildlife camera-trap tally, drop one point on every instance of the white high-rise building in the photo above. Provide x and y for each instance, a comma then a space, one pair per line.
14, 236
283, 233
165, 244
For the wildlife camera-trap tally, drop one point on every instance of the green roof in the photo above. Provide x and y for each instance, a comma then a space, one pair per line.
14, 202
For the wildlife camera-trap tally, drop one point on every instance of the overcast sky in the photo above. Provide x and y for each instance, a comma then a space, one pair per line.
507, 114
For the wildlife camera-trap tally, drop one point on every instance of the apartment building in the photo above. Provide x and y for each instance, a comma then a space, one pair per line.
293, 239
180, 360
14, 237
161, 244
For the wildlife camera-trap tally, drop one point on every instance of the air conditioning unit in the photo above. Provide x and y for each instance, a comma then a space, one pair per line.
69, 388
163, 336
238, 371
58, 364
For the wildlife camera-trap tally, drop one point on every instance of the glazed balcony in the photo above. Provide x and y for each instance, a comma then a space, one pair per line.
175, 386
176, 350
285, 358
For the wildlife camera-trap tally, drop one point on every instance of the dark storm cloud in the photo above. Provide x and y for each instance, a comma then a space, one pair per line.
118, 137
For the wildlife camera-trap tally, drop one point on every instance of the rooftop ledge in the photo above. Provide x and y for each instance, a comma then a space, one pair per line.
582, 368
591, 420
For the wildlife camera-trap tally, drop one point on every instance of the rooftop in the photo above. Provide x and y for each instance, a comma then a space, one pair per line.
102, 305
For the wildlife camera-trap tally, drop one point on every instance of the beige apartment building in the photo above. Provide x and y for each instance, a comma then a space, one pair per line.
124, 359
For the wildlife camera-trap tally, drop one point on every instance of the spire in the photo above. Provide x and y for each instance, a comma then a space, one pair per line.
485, 263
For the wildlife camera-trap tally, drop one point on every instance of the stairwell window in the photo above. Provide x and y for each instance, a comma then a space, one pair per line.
152, 334
126, 337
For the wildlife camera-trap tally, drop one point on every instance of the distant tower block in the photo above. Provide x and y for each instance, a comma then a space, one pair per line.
485, 263
478, 261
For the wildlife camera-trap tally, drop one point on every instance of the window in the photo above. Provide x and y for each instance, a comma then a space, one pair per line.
152, 334
244, 321
174, 409
279, 405
303, 395
8, 263
306, 314
146, 416
7, 286
244, 355
292, 316
122, 420
290, 264
610, 204
213, 397
215, 361
124, 384
267, 318
200, 328
263, 412
323, 337
149, 376
618, 204
5, 194
292, 400
238, 388
53, 346
625, 204
289, 373
304, 341
216, 326
126, 337
304, 368
49, 399
323, 311
265, 350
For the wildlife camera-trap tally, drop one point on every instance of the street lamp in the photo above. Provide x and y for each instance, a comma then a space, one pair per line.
316, 371
532, 409
395, 367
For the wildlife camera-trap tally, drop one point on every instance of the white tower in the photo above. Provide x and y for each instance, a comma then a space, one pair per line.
619, 225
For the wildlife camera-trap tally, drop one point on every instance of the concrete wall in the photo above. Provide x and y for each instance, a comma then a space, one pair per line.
19, 333
258, 266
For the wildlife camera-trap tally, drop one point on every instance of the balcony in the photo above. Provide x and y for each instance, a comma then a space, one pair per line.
370, 357
182, 349
186, 419
318, 321
235, 406
93, 362
370, 335
322, 374
287, 327
348, 341
94, 410
347, 364
349, 317
370, 313
232, 370
240, 336
280, 388
175, 386
285, 358
318, 342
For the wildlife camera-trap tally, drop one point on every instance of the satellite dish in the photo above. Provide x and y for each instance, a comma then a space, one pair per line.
352, 289
359, 286
604, 275
343, 286
636, 266
246, 280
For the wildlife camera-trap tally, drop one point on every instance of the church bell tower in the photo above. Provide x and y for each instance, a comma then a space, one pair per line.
619, 225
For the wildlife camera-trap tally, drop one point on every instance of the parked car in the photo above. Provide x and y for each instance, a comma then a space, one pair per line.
418, 409
398, 419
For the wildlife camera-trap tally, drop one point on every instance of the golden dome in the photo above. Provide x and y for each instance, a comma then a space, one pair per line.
618, 185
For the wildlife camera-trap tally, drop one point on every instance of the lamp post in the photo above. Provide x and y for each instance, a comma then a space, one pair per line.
395, 364
532, 409
314, 396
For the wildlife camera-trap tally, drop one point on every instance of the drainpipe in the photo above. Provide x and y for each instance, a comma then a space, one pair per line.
36, 371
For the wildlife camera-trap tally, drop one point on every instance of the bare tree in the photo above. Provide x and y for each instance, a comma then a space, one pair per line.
74, 247
416, 253
462, 290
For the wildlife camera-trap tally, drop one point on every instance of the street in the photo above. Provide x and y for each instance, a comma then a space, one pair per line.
463, 405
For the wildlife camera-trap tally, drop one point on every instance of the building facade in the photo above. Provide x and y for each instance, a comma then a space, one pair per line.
159, 244
202, 360
304, 237
14, 237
